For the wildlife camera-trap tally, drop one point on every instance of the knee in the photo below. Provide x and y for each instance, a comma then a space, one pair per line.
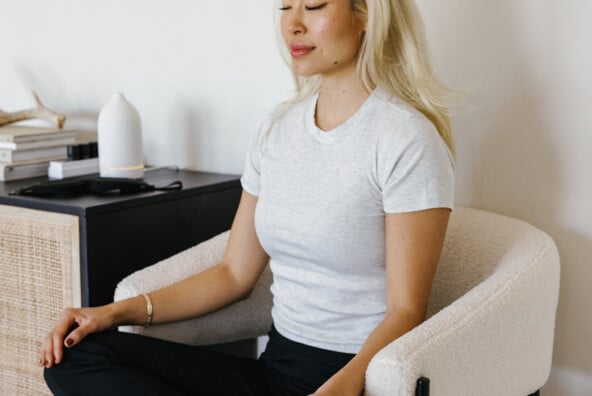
62, 378
54, 377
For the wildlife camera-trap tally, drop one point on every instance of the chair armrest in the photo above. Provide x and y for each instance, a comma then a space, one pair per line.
245, 319
495, 340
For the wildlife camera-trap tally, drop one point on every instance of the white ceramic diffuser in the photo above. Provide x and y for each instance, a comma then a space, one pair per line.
120, 140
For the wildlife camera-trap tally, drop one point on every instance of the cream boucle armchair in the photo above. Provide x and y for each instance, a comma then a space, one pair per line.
490, 322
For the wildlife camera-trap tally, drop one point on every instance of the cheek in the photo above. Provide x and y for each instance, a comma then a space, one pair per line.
324, 29
341, 50
339, 37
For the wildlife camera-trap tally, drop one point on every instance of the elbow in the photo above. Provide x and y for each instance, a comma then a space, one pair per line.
239, 287
243, 295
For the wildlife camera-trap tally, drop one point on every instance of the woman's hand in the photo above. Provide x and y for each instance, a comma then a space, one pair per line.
73, 326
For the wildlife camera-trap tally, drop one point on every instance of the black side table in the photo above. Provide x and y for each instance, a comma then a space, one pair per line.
121, 234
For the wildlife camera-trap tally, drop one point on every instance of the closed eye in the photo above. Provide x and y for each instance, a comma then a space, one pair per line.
308, 8
318, 7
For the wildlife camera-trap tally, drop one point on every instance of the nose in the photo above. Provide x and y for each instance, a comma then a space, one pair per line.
295, 23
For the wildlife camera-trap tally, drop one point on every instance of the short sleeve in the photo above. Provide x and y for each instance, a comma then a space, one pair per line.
415, 168
250, 179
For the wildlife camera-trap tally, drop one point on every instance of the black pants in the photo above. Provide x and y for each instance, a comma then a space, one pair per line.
113, 363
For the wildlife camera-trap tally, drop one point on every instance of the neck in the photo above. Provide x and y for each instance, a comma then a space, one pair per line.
340, 97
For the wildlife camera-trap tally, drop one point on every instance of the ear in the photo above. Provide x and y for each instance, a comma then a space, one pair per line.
364, 23
363, 20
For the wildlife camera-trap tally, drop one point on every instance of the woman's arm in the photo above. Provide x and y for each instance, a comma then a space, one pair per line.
231, 280
414, 243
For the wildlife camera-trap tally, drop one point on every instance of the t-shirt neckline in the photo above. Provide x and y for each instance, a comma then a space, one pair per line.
339, 132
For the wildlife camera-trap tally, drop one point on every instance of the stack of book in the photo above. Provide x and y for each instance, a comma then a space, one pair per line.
26, 151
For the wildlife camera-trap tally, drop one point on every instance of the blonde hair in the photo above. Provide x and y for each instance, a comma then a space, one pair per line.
394, 57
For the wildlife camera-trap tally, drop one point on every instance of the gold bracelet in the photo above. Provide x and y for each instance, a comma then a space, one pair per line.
148, 310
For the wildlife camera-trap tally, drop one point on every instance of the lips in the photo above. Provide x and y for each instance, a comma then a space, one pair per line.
300, 50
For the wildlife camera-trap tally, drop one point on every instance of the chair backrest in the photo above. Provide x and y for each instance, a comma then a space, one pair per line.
477, 245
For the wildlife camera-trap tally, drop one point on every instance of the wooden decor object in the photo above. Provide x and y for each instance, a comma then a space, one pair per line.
39, 112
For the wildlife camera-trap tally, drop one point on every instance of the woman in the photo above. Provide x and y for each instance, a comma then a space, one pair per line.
347, 194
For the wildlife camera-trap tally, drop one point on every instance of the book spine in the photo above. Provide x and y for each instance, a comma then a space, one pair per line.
38, 144
63, 169
5, 155
38, 138
15, 172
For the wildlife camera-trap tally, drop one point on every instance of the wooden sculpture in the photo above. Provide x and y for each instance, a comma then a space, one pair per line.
39, 112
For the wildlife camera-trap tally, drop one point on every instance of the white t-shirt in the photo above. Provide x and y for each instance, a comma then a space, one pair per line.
322, 198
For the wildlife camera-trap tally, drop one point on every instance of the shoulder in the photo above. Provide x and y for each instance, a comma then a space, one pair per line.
402, 127
399, 117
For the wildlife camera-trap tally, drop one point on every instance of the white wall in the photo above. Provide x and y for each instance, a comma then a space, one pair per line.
524, 133
203, 72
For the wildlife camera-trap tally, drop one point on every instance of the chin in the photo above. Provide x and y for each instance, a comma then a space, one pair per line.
301, 72
305, 70
297, 74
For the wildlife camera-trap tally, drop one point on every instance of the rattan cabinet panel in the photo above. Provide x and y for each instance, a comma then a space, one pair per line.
39, 275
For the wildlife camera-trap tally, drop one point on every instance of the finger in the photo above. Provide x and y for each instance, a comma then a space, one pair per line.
42, 357
62, 330
76, 336
50, 354
66, 322
54, 354
49, 351
58, 350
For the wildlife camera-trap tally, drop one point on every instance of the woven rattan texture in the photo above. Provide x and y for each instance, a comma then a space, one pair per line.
35, 284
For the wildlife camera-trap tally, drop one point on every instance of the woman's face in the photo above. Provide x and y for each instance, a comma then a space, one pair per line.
323, 36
